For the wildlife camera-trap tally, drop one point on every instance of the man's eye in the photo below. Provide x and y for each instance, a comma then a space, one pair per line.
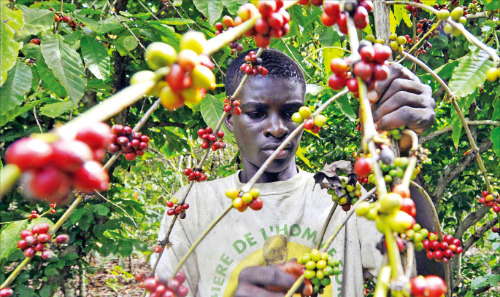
289, 114
255, 114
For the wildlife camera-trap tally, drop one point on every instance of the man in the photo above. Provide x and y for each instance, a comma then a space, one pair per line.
230, 261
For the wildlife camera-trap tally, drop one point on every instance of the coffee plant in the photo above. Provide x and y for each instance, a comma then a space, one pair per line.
67, 67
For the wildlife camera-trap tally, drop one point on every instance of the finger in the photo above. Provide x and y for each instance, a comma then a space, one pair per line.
267, 276
413, 118
396, 71
398, 100
250, 290
402, 84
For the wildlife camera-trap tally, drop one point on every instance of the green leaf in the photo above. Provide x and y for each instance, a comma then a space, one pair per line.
457, 130
400, 13
495, 138
95, 56
491, 4
346, 108
17, 84
211, 9
211, 110
56, 109
49, 81
19, 110
7, 238
39, 221
233, 5
125, 248
470, 73
176, 22
35, 21
494, 280
66, 65
101, 209
77, 215
11, 21
479, 282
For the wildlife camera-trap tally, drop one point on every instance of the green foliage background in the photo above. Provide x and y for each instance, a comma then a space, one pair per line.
75, 70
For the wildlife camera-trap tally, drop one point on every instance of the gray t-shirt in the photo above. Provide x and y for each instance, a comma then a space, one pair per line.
286, 227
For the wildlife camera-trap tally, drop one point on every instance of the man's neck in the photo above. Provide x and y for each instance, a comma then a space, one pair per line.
267, 177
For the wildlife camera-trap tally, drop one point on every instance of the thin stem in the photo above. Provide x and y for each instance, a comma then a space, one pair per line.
383, 280
146, 116
450, 128
195, 244
434, 26
434, 215
113, 12
15, 273
413, 159
472, 142
470, 37
296, 286
292, 135
325, 225
393, 251
150, 12
117, 206
431, 72
349, 214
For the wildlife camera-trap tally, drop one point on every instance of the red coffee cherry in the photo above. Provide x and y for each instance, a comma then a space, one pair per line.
30, 252
6, 292
50, 184
91, 176
97, 135
69, 155
62, 238
29, 153
363, 167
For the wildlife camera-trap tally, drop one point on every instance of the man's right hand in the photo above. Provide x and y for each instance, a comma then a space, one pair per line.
263, 281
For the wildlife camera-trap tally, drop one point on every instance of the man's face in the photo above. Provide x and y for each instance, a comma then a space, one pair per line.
267, 105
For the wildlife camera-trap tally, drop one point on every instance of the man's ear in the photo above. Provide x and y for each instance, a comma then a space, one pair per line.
229, 122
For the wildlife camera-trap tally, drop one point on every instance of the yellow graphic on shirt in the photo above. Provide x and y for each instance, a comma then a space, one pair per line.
276, 250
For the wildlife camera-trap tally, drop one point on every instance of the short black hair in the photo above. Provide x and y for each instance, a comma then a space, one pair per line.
277, 63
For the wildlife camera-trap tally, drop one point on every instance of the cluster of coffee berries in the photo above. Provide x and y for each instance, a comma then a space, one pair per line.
182, 78
357, 9
395, 210
372, 67
67, 19
6, 292
428, 286
130, 143
304, 116
396, 42
36, 240
211, 139
52, 208
229, 103
391, 171
373, 40
176, 208
458, 15
33, 215
423, 49
253, 65
228, 22
424, 25
243, 200
493, 74
473, 7
415, 11
396, 133
35, 41
488, 199
350, 195
172, 288
444, 250
274, 21
196, 175
319, 267
51, 169
417, 234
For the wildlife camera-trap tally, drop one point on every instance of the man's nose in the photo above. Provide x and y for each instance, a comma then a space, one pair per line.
276, 127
